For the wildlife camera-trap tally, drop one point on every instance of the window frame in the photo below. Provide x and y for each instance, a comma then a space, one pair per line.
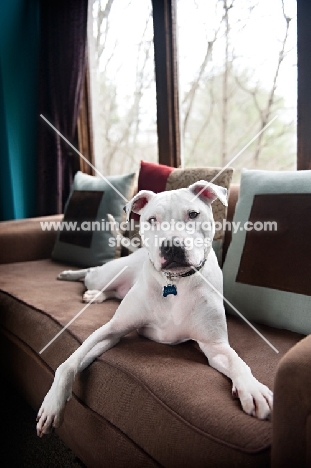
166, 72
85, 127
303, 83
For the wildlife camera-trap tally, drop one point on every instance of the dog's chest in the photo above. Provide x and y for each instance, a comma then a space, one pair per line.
169, 320
168, 334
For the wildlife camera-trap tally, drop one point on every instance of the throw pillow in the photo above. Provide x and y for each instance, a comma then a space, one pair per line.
90, 200
266, 270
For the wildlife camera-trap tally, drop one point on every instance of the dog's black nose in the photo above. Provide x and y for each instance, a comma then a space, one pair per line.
173, 249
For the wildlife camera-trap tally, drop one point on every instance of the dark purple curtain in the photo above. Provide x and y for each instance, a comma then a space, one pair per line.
63, 26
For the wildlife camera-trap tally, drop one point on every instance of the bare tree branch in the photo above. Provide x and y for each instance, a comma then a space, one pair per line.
225, 90
266, 113
132, 121
205, 124
189, 97
102, 20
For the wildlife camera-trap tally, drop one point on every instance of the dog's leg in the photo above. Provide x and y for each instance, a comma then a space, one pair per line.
73, 275
256, 399
52, 408
129, 316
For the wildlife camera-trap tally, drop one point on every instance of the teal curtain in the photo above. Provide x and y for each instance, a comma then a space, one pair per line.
19, 58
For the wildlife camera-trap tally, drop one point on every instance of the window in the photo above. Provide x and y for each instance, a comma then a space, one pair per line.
122, 82
238, 72
208, 135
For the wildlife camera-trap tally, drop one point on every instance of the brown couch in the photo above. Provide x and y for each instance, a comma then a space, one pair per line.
143, 404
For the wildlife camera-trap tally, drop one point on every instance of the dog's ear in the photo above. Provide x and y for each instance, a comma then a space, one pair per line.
209, 192
138, 203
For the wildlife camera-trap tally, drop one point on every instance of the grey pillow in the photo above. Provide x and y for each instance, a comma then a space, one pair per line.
86, 242
267, 271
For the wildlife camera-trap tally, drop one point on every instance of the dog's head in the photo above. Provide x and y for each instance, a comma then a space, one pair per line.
177, 226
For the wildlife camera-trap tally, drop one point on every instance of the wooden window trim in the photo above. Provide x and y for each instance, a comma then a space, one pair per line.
166, 72
85, 127
304, 80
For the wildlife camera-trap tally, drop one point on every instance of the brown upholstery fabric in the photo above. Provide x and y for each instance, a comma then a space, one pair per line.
24, 240
292, 408
30, 373
279, 259
165, 400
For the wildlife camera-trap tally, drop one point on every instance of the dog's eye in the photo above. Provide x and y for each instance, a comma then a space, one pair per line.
193, 214
152, 220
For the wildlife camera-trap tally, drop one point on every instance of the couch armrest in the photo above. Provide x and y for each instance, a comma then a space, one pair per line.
291, 422
24, 240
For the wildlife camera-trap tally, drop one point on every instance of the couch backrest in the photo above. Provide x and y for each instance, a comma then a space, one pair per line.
233, 197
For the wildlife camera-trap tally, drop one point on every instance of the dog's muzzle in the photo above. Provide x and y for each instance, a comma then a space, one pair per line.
173, 252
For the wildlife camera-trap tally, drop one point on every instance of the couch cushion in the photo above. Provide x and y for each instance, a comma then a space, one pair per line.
266, 271
166, 399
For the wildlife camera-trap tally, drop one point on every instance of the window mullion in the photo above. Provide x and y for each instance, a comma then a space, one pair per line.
304, 80
165, 51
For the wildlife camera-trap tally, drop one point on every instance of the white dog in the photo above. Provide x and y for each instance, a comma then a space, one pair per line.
171, 293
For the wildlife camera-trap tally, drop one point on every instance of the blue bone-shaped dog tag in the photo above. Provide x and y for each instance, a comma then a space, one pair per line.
169, 289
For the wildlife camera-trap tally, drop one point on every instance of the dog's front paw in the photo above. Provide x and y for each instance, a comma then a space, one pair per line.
256, 399
51, 413
94, 296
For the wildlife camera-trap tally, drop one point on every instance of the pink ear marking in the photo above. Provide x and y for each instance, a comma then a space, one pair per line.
139, 204
206, 192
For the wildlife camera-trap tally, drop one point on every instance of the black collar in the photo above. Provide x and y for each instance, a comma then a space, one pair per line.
188, 273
